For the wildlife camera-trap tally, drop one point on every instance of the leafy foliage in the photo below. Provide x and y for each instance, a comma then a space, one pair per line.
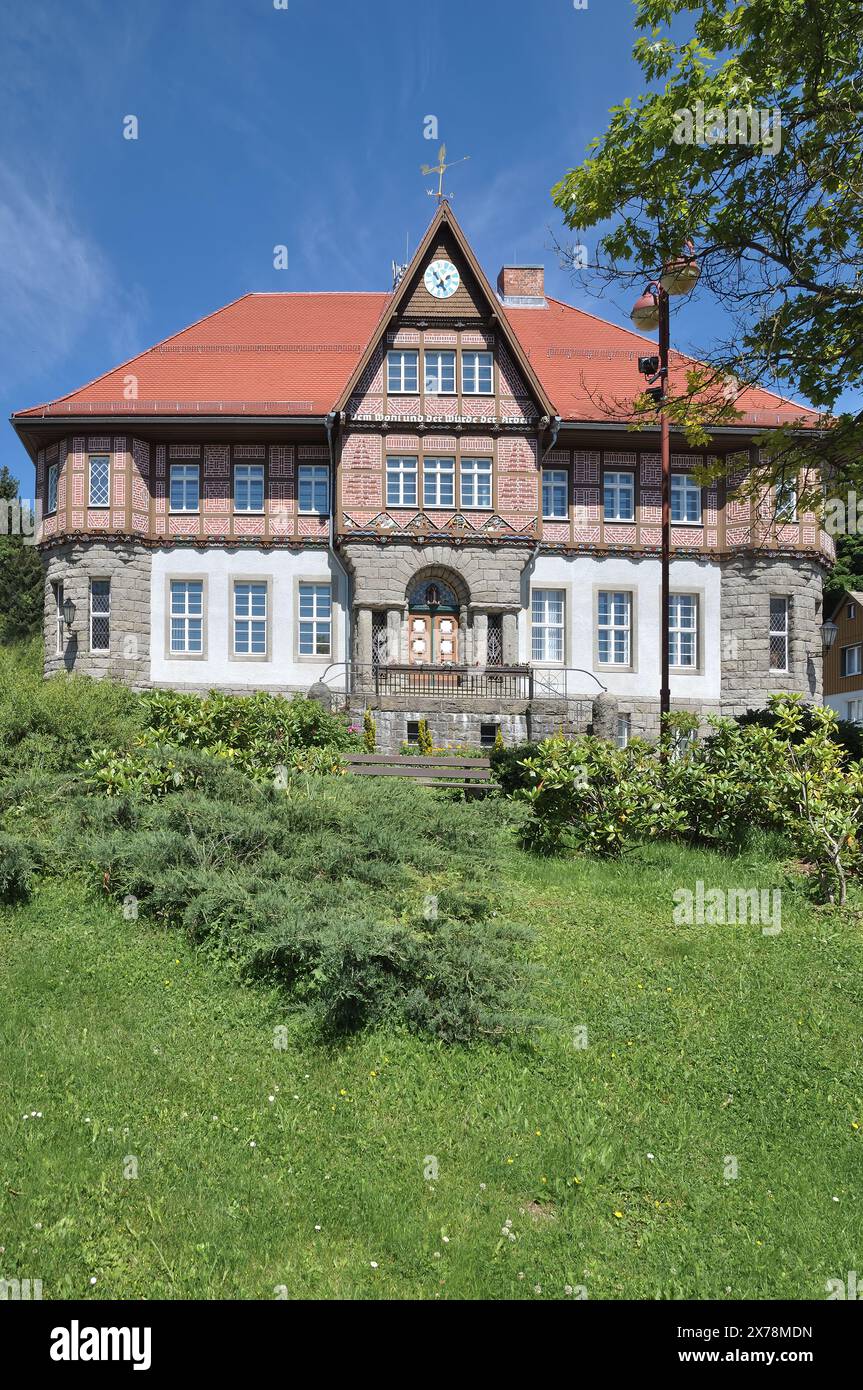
17, 868
21, 575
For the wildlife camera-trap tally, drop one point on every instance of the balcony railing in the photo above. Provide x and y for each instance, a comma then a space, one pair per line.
472, 683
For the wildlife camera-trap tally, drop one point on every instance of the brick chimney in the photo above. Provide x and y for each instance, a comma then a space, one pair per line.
522, 286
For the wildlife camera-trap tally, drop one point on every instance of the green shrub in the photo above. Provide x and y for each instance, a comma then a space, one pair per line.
507, 765
62, 719
370, 732
848, 735
17, 869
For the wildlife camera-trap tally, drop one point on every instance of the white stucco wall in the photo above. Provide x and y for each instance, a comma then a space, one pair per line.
581, 575
218, 566
840, 702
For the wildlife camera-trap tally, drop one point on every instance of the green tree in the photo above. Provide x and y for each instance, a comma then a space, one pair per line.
21, 576
775, 225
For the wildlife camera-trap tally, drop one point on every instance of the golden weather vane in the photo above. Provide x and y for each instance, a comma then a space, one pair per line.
440, 169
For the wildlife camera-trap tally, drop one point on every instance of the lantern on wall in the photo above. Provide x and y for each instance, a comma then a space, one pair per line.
68, 612
829, 633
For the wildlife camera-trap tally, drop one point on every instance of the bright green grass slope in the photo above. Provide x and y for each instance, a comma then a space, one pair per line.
703, 1042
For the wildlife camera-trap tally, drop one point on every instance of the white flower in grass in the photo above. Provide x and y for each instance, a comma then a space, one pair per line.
482, 1187
271, 1099
317, 1228
520, 1274
92, 1278
436, 1255
650, 1157
537, 1288
374, 1264
567, 1288
252, 1144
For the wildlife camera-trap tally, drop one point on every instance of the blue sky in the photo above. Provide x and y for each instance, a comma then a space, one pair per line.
259, 127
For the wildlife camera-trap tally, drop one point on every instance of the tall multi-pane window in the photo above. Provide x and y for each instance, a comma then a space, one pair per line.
250, 618
57, 587
786, 500
439, 373
315, 620
685, 498
614, 627
855, 711
401, 481
99, 493
475, 482
187, 617
100, 615
683, 630
51, 492
314, 488
554, 492
477, 373
778, 633
248, 487
546, 614
618, 496
438, 482
402, 371
185, 487
850, 662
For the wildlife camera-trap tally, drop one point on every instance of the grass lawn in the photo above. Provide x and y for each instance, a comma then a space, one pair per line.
304, 1167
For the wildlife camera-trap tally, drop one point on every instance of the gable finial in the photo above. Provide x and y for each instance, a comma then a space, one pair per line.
440, 169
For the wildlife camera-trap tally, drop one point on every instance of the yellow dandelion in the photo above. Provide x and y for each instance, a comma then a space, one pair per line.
619, 1215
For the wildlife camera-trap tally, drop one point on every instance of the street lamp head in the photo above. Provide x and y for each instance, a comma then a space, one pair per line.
68, 612
829, 633
645, 310
681, 275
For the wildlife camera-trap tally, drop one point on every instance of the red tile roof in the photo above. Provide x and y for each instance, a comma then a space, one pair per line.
292, 354
589, 366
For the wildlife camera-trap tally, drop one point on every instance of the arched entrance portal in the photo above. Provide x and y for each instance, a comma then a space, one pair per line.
433, 624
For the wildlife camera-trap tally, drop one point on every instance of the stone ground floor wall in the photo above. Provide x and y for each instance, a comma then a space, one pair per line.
127, 566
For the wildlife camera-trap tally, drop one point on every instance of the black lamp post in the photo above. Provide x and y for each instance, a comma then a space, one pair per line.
650, 311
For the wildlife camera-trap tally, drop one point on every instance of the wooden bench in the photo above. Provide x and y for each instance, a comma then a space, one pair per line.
446, 770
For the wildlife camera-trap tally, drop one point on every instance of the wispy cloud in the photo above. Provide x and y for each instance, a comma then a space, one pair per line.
55, 283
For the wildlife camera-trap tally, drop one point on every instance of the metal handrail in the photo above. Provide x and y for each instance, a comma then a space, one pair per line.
470, 682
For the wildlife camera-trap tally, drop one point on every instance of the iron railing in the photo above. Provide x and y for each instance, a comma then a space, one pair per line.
463, 682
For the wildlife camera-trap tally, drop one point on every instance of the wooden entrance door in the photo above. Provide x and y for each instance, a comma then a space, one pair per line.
433, 639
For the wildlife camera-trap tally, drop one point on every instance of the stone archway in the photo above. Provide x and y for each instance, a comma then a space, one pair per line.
437, 600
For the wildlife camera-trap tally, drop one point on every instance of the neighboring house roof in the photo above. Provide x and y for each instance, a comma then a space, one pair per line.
296, 354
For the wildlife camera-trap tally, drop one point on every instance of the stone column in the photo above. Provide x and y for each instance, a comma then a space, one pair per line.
605, 712
464, 655
363, 644
480, 639
510, 639
394, 636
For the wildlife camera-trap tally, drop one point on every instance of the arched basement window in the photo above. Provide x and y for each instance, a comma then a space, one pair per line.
433, 596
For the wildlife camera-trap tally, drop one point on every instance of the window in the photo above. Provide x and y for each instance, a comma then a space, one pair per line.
439, 374
622, 735
187, 617
250, 618
51, 496
554, 492
778, 633
438, 482
786, 500
413, 731
476, 482
683, 630
401, 482
249, 487
547, 625
850, 663
852, 612
100, 480
855, 711
314, 486
685, 498
315, 620
185, 487
477, 373
488, 735
58, 615
494, 644
402, 371
618, 493
614, 624
100, 615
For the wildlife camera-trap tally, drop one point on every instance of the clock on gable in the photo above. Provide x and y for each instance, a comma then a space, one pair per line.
442, 279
